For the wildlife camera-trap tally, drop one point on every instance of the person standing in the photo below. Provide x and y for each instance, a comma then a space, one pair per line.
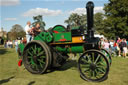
36, 30
106, 45
119, 46
102, 42
124, 46
112, 45
16, 45
28, 31
11, 44
5, 44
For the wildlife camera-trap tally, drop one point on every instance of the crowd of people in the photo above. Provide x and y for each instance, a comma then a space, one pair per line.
118, 47
12, 44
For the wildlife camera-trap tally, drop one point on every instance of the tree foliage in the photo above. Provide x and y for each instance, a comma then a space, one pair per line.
75, 20
16, 31
99, 22
39, 19
116, 12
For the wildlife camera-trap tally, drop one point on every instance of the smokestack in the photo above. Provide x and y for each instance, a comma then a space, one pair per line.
89, 7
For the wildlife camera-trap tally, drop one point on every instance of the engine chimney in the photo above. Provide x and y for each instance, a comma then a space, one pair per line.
89, 7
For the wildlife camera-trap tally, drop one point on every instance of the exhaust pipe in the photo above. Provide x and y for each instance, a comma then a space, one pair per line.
89, 8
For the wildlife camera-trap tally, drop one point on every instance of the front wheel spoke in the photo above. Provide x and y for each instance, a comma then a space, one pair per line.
83, 61
93, 73
93, 57
97, 59
90, 74
101, 63
89, 60
101, 70
101, 66
96, 73
85, 66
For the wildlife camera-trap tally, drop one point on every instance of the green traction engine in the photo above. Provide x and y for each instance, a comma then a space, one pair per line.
50, 49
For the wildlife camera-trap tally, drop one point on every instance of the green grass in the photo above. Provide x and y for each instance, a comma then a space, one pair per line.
11, 74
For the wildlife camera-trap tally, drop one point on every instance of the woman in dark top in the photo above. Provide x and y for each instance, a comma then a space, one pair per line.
124, 46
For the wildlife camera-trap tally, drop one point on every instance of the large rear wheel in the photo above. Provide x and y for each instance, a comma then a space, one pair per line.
36, 57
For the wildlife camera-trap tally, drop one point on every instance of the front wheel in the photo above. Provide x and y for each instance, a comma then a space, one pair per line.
93, 66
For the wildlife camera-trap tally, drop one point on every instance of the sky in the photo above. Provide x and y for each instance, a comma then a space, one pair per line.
54, 11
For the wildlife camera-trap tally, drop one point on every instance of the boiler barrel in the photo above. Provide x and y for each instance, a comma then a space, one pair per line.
71, 49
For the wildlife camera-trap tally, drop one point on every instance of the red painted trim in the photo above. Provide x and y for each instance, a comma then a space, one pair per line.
20, 62
55, 31
62, 40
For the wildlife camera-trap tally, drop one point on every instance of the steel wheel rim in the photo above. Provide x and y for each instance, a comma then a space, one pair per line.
90, 68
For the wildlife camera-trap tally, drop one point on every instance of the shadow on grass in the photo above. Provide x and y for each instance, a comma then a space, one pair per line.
104, 79
6, 80
32, 82
69, 64
72, 64
3, 51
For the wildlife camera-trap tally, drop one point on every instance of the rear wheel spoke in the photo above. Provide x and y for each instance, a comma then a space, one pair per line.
41, 53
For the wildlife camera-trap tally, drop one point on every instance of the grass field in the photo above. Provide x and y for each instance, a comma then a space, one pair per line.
11, 74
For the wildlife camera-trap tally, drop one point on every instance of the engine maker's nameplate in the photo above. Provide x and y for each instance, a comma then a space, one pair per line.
62, 37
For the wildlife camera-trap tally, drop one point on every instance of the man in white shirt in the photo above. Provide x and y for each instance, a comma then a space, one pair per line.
27, 30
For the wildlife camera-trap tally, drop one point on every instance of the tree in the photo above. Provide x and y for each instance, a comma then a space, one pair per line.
16, 31
75, 20
116, 12
99, 23
39, 19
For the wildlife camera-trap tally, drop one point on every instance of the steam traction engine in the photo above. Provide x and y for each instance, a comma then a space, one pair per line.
50, 49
